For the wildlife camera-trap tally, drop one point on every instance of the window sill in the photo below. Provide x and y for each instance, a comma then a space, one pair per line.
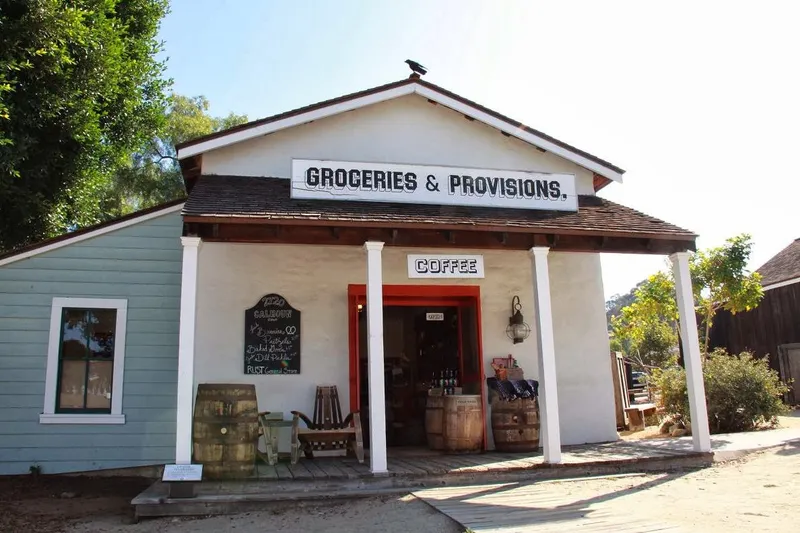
80, 419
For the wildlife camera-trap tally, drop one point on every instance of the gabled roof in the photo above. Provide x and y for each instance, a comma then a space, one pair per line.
89, 232
783, 268
411, 85
235, 198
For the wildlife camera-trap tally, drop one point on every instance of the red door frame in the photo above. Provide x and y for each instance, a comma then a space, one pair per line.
413, 295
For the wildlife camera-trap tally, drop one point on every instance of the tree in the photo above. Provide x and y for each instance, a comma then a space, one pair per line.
617, 302
80, 90
720, 281
153, 175
646, 330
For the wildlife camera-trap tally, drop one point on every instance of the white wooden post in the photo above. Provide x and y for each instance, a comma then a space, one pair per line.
377, 393
183, 427
701, 437
548, 388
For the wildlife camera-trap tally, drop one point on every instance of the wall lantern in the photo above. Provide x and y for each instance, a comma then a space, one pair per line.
517, 329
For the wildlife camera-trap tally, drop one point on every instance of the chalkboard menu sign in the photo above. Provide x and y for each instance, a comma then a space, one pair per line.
272, 337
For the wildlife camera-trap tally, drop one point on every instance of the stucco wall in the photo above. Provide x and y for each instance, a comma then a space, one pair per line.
232, 277
140, 263
405, 130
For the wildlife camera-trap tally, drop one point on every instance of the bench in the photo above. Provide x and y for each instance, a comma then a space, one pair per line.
637, 413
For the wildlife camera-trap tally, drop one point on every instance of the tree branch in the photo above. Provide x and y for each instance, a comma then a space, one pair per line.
161, 156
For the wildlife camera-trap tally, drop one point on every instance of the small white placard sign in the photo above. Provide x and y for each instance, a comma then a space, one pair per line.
434, 317
445, 266
182, 473
425, 184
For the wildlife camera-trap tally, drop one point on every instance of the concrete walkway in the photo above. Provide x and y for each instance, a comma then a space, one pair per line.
729, 446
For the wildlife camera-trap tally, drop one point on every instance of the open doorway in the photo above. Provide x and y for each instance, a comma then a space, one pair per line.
426, 337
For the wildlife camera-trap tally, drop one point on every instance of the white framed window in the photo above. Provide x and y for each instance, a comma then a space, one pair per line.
85, 362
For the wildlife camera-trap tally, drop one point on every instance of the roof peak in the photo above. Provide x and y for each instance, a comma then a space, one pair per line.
407, 86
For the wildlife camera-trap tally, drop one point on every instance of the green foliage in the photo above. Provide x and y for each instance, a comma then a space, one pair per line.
618, 302
645, 330
153, 175
657, 348
720, 281
742, 393
80, 89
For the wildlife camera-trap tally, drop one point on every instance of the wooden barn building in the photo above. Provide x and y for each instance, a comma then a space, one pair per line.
773, 328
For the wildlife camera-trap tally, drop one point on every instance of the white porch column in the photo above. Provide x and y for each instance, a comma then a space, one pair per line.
183, 427
377, 394
691, 352
548, 389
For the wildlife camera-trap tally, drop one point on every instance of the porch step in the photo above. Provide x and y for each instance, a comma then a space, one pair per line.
215, 498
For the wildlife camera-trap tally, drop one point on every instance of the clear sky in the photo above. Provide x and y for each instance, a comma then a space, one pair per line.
698, 101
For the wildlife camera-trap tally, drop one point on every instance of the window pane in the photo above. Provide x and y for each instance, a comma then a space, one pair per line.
103, 323
98, 395
74, 334
72, 379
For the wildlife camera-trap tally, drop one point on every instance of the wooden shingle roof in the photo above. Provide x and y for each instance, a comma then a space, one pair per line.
784, 266
268, 199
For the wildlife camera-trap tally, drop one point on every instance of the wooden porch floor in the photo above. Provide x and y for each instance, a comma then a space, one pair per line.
424, 462
409, 470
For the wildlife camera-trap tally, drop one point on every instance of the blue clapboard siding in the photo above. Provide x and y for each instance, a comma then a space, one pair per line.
141, 263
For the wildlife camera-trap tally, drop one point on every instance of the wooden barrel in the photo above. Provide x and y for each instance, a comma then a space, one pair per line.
463, 424
226, 430
515, 425
433, 422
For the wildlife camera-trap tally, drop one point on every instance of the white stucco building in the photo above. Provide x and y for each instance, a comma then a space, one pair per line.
414, 169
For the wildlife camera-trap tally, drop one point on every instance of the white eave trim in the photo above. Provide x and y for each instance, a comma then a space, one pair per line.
91, 234
781, 284
389, 94
295, 120
519, 133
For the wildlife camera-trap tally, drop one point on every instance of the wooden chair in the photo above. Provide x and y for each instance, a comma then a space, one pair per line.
327, 431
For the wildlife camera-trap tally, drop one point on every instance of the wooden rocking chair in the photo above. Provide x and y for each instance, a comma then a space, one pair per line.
328, 431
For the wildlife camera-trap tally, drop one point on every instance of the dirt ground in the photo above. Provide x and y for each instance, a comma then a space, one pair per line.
48, 504
758, 493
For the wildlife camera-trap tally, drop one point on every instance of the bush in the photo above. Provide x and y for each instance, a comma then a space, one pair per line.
742, 393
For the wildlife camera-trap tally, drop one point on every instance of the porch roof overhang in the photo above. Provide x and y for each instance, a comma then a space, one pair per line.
254, 209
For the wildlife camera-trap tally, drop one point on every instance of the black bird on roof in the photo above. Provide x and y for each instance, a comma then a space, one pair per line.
416, 67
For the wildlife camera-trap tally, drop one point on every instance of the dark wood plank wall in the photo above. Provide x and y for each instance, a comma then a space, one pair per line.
774, 322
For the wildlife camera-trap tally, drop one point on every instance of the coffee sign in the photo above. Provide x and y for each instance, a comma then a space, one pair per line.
272, 337
424, 184
445, 266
